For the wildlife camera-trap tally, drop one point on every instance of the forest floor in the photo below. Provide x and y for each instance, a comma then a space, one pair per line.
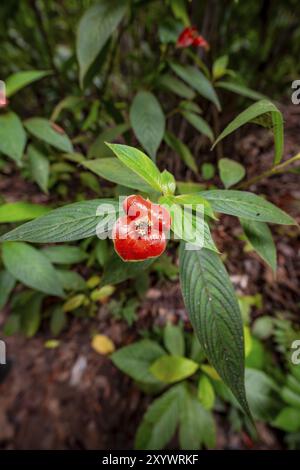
73, 398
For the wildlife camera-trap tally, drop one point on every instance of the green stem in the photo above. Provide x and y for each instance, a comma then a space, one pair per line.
272, 171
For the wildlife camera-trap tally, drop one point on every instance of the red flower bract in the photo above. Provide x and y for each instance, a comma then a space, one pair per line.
191, 37
140, 234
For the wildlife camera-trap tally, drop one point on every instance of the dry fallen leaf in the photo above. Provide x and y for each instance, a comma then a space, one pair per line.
102, 344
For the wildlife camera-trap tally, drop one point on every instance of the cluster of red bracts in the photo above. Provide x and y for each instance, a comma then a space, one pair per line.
191, 37
141, 233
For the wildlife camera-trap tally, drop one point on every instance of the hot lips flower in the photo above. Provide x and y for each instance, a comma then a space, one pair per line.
141, 233
191, 37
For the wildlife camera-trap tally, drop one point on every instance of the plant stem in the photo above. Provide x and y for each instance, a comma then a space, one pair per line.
272, 171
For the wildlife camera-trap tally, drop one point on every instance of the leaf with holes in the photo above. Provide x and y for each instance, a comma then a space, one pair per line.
214, 313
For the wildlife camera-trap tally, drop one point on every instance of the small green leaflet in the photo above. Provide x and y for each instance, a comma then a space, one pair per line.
183, 151
47, 132
12, 136
39, 167
261, 109
21, 211
176, 86
139, 163
260, 237
19, 80
148, 121
231, 172
198, 81
241, 90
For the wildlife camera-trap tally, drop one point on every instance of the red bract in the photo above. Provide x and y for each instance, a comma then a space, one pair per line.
191, 37
140, 234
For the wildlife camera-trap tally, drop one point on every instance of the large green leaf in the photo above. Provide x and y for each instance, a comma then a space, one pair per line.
135, 360
19, 80
148, 121
170, 369
39, 167
68, 223
241, 90
114, 170
198, 81
214, 313
260, 237
139, 163
96, 26
21, 211
246, 205
265, 113
197, 427
31, 267
12, 136
199, 123
46, 131
182, 150
231, 172
160, 420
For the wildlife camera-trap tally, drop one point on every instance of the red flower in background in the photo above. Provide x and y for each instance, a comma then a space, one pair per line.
191, 37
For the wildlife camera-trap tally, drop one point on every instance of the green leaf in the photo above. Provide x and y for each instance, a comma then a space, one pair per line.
288, 420
39, 167
21, 211
197, 427
197, 80
99, 149
220, 67
214, 313
135, 360
182, 150
19, 80
45, 130
241, 90
262, 109
58, 320
98, 23
207, 171
148, 121
206, 394
7, 283
12, 136
168, 183
170, 369
231, 172
160, 420
29, 266
262, 394
64, 254
195, 200
68, 223
199, 123
116, 270
174, 339
176, 86
71, 280
246, 205
31, 315
259, 236
139, 163
114, 170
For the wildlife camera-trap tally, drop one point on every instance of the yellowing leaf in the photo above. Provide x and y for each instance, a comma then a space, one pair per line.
103, 345
74, 302
248, 341
210, 371
93, 282
103, 293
